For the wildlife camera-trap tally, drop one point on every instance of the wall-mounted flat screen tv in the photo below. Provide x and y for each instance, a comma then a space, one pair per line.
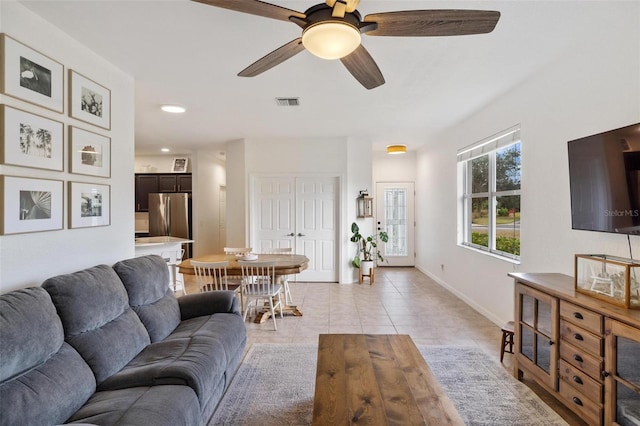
604, 177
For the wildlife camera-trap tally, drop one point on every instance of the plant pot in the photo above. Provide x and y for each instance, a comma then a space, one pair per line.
366, 266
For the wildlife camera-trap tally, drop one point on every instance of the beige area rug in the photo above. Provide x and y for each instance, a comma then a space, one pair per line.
275, 386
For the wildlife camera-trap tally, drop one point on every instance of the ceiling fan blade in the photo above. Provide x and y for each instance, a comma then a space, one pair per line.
362, 66
255, 7
425, 23
274, 58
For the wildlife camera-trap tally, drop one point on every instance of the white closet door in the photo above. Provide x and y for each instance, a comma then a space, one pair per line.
301, 213
273, 213
316, 226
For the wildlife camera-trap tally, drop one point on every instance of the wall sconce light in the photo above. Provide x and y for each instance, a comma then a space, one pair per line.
364, 205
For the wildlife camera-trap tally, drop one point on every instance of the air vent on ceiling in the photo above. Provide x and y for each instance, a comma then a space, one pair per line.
288, 101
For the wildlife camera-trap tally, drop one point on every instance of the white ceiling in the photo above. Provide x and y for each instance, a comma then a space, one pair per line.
188, 53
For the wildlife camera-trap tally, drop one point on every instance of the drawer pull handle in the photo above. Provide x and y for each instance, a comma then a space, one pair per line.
578, 336
577, 401
578, 358
578, 380
578, 315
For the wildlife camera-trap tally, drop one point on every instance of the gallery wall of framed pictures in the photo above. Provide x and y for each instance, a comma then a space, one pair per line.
41, 137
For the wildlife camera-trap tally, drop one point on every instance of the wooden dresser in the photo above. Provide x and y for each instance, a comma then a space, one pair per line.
583, 350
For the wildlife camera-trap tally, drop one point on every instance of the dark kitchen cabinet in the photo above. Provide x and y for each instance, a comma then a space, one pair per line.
148, 183
145, 184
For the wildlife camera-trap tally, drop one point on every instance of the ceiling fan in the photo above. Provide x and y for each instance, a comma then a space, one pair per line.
331, 30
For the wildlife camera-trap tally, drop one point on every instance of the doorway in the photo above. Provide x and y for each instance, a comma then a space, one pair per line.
395, 215
300, 212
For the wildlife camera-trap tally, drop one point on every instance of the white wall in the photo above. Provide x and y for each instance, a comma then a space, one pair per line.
393, 168
594, 87
28, 259
208, 176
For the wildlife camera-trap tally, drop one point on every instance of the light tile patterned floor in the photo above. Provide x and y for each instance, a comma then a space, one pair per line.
402, 301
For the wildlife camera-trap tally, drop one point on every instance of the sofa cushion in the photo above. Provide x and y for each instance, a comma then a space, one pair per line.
98, 322
200, 353
30, 330
157, 406
43, 379
198, 362
229, 329
49, 393
146, 279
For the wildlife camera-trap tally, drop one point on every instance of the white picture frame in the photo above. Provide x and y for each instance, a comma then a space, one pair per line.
89, 101
180, 165
30, 75
89, 153
30, 140
89, 205
30, 205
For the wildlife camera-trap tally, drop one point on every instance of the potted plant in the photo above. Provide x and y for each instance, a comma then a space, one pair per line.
368, 246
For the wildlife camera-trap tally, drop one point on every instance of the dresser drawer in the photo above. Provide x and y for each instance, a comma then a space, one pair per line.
584, 361
581, 338
578, 315
577, 379
589, 410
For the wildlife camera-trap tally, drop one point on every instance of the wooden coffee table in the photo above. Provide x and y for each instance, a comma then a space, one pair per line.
377, 379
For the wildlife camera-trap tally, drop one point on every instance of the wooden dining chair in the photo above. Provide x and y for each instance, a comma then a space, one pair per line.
259, 284
236, 280
237, 250
284, 279
212, 276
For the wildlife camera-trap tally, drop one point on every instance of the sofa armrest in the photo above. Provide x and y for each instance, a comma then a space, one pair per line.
208, 303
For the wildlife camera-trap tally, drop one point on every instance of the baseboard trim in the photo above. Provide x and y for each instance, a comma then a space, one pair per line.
489, 315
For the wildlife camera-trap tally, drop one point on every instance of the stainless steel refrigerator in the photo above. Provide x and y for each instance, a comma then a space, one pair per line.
170, 215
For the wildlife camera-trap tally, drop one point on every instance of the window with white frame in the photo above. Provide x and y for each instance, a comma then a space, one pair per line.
490, 202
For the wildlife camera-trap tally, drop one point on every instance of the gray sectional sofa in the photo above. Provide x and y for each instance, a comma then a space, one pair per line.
113, 346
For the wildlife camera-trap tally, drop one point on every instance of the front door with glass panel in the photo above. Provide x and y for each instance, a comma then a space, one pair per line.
395, 215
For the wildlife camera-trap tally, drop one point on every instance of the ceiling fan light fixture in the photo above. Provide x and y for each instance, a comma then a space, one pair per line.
331, 40
396, 149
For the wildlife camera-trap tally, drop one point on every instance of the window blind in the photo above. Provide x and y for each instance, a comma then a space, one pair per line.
492, 143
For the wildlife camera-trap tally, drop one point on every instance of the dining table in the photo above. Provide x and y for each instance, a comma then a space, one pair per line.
286, 264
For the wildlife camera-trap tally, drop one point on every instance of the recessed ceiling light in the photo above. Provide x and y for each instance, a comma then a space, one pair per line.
175, 109
165, 150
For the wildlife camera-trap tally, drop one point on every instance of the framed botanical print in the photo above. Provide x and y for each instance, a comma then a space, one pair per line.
90, 153
29, 140
31, 76
89, 101
89, 205
30, 205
